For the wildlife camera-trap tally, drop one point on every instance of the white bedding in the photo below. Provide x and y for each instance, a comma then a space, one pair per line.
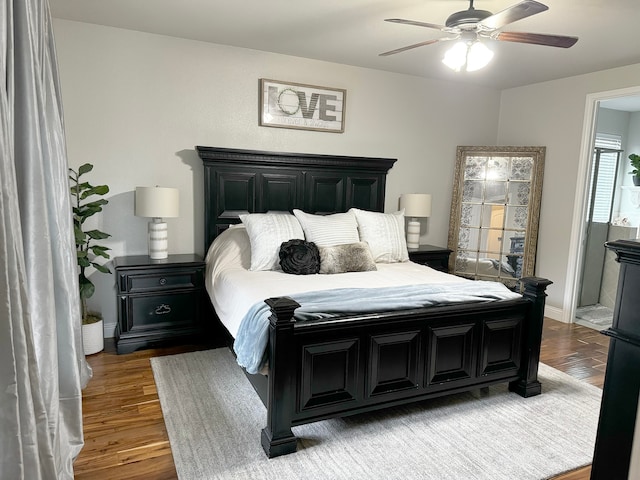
234, 289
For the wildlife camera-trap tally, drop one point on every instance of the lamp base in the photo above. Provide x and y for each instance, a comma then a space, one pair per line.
413, 234
158, 240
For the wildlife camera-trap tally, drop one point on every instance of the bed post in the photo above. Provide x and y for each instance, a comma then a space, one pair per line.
277, 437
534, 291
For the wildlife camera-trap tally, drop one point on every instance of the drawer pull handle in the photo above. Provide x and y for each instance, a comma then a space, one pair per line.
163, 309
163, 281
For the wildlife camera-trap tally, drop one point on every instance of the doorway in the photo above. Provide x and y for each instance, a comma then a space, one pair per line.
595, 303
627, 102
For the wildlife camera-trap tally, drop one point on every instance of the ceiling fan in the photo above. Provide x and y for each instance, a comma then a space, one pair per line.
471, 25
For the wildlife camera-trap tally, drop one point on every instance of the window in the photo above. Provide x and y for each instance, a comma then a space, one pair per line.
603, 174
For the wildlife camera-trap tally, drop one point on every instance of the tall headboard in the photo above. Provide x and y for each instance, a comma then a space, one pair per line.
249, 181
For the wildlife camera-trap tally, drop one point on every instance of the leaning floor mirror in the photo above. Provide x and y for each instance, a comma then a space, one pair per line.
495, 210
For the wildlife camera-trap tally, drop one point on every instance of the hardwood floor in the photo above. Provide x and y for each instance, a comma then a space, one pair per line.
125, 435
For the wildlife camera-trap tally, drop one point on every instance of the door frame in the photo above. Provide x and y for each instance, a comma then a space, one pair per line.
576, 244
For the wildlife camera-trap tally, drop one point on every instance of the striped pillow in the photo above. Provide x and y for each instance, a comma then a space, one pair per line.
328, 230
384, 232
266, 232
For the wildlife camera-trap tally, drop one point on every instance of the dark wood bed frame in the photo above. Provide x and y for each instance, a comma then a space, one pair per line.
347, 365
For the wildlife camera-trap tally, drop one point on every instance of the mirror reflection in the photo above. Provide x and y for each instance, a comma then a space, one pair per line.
494, 212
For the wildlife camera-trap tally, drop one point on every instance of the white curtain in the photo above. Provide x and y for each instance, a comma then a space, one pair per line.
42, 366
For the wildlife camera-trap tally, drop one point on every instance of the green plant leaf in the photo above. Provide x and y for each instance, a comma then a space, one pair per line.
83, 262
79, 234
85, 212
99, 190
97, 234
100, 251
87, 288
86, 168
94, 204
101, 268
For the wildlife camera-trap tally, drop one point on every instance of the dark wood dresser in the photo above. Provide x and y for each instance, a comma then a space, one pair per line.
619, 411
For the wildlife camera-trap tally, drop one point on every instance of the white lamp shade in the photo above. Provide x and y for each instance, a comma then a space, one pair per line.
157, 202
416, 204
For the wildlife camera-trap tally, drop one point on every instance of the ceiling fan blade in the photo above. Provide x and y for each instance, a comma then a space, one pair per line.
409, 47
512, 14
536, 39
413, 22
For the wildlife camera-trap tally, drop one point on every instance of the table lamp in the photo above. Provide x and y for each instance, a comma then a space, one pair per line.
415, 205
157, 203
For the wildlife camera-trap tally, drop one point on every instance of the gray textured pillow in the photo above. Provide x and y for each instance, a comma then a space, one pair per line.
350, 257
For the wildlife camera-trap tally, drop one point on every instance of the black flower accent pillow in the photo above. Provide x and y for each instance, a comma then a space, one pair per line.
299, 257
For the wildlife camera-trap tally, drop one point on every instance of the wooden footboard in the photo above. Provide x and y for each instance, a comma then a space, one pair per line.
347, 365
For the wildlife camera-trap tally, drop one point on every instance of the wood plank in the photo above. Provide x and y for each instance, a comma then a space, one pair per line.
125, 434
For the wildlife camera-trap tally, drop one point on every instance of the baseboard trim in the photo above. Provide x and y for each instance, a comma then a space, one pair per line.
554, 313
110, 330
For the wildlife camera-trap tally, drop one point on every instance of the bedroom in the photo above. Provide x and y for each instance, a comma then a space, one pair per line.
137, 103
176, 93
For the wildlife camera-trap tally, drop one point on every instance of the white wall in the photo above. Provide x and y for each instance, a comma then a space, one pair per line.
551, 114
136, 104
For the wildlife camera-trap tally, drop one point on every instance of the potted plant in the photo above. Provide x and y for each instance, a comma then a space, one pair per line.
88, 252
635, 163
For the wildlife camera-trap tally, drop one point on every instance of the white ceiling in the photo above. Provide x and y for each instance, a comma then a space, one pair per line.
354, 32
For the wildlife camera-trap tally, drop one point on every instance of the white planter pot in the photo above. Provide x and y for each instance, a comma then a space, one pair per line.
93, 338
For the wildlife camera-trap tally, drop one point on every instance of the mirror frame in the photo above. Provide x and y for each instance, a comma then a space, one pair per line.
533, 211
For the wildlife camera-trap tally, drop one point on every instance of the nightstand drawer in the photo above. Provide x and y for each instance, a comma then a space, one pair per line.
160, 311
159, 281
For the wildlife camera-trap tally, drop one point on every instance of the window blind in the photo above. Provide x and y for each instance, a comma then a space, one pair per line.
607, 149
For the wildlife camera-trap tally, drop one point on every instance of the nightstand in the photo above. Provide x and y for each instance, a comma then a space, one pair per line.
160, 302
432, 256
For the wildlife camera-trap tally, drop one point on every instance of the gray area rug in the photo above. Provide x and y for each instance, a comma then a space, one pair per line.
214, 419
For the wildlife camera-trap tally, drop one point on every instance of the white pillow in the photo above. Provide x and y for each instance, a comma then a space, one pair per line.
230, 249
329, 230
384, 232
266, 232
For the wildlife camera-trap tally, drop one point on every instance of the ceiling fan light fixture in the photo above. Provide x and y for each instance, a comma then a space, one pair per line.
478, 57
456, 57
467, 56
